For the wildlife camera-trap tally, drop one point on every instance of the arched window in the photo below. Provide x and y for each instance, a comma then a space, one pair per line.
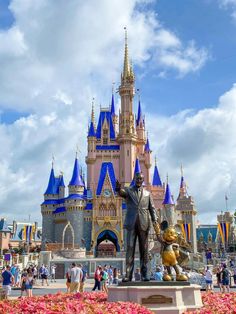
112, 210
102, 210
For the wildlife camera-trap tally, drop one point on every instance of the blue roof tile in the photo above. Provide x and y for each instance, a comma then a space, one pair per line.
108, 116
59, 210
75, 196
156, 178
137, 169
107, 167
91, 130
89, 206
51, 183
76, 177
112, 106
49, 202
168, 200
147, 147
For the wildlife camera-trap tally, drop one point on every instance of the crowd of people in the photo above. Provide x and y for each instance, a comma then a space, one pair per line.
25, 279
76, 276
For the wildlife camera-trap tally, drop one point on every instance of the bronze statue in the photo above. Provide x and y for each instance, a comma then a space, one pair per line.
170, 250
140, 212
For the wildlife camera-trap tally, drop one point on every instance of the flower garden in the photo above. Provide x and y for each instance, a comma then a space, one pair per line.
86, 303
217, 303
96, 303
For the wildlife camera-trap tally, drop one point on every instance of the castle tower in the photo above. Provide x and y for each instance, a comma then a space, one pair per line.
157, 189
186, 207
47, 208
75, 204
169, 206
127, 134
91, 153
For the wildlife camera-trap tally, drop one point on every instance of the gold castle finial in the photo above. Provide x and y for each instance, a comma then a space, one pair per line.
92, 113
155, 161
167, 178
126, 69
113, 87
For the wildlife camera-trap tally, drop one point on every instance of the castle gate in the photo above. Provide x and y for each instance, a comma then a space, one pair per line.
107, 244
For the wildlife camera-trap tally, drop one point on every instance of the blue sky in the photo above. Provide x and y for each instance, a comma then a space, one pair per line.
56, 56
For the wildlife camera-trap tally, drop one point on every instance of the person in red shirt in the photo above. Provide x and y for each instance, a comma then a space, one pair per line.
97, 278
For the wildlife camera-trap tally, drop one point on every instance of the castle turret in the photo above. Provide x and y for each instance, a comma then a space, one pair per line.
169, 206
47, 207
113, 112
185, 208
76, 185
137, 169
61, 186
127, 133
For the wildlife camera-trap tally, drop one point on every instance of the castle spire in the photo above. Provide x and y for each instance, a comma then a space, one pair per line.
182, 188
92, 114
76, 177
156, 177
126, 67
147, 148
51, 183
112, 103
137, 169
168, 200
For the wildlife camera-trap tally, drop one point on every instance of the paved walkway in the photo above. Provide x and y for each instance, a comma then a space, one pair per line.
54, 287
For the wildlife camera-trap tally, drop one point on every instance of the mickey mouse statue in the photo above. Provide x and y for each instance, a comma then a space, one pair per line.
169, 250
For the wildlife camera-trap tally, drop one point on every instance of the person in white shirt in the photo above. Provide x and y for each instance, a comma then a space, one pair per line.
53, 273
76, 275
208, 277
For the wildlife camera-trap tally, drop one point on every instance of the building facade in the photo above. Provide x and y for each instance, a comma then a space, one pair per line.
92, 214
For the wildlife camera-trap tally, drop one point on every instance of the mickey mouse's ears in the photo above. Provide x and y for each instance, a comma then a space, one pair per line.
164, 225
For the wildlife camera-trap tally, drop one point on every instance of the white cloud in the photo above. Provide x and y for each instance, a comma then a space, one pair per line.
230, 5
204, 143
54, 59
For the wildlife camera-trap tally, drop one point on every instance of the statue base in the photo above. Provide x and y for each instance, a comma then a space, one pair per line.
159, 297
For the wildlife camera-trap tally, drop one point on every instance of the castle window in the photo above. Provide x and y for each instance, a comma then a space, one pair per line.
127, 152
105, 141
105, 131
102, 210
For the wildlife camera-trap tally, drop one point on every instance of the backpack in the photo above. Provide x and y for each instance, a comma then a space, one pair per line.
105, 275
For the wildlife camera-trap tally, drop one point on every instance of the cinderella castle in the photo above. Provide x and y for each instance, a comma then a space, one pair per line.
91, 214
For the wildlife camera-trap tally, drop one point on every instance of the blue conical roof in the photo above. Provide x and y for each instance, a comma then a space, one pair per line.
168, 200
76, 177
91, 130
182, 184
137, 169
112, 105
51, 183
147, 147
139, 117
61, 182
156, 181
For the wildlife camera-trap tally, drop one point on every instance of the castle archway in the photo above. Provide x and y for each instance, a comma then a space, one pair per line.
68, 237
107, 244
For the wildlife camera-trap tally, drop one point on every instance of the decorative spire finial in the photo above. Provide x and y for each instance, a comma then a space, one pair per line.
92, 112
53, 160
181, 169
167, 178
77, 151
138, 92
126, 68
113, 87
155, 160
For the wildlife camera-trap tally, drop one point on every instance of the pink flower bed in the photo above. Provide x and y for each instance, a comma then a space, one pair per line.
86, 303
217, 303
